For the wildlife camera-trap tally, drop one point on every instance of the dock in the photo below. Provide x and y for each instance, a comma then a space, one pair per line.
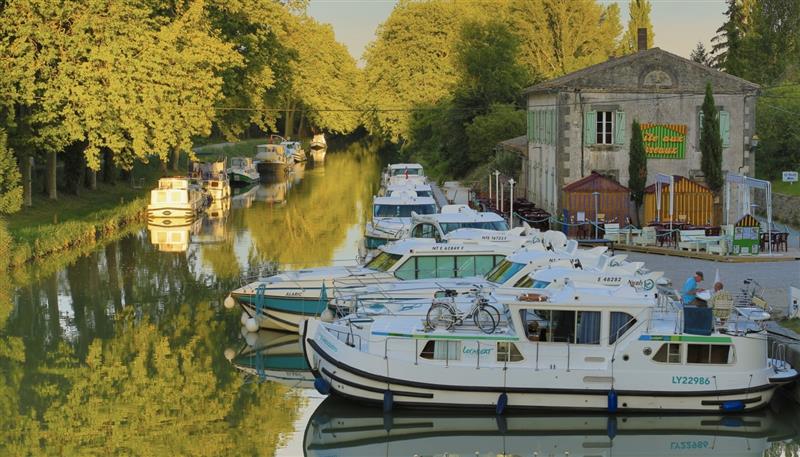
790, 256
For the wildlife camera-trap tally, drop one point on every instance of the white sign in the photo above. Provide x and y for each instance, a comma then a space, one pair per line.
789, 176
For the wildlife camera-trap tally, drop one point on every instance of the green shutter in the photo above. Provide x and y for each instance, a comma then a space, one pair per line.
725, 128
530, 125
589, 127
548, 126
553, 127
619, 128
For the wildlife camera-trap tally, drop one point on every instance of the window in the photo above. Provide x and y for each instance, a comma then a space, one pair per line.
508, 352
525, 281
484, 264
562, 326
588, 327
446, 267
441, 350
407, 270
448, 227
406, 171
383, 261
402, 210
668, 353
724, 127
425, 231
465, 266
605, 125
708, 353
620, 323
504, 271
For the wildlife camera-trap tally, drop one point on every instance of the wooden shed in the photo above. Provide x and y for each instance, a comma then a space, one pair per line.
613, 201
694, 202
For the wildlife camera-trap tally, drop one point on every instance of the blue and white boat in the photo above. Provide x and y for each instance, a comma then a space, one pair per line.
392, 214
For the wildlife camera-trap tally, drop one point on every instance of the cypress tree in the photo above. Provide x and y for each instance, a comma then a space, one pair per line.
711, 143
637, 167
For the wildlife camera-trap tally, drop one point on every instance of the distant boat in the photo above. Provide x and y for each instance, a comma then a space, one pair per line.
296, 150
242, 171
318, 147
272, 158
213, 177
176, 201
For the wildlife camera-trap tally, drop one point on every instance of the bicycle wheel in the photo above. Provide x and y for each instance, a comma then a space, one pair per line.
493, 311
440, 316
484, 320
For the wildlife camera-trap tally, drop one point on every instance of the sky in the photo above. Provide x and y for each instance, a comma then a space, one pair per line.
678, 24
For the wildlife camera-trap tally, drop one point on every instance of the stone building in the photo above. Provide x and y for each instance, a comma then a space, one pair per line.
581, 122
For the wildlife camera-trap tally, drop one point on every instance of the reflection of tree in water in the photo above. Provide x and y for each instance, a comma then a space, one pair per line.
314, 221
784, 449
138, 371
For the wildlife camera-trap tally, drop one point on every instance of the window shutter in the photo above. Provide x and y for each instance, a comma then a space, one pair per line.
589, 127
725, 128
549, 127
619, 128
552, 126
530, 125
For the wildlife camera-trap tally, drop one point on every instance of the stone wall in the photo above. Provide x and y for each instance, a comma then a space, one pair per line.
785, 208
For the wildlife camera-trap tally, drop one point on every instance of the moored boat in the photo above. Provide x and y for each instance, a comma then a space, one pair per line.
583, 349
242, 171
213, 177
272, 158
176, 200
318, 147
403, 174
392, 214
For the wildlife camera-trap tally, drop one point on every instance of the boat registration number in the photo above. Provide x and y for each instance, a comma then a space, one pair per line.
682, 445
699, 380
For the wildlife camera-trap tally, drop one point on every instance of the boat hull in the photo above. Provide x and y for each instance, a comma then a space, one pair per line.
242, 179
277, 168
358, 377
318, 154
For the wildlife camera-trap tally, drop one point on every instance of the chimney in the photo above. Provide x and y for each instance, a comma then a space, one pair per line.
641, 39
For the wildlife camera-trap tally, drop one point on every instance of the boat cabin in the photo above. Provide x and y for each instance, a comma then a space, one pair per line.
402, 205
454, 217
421, 190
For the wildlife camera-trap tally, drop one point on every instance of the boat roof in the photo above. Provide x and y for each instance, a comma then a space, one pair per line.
404, 198
461, 213
415, 186
429, 245
177, 183
623, 296
595, 277
401, 166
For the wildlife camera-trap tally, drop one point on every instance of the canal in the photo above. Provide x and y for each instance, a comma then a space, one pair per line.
127, 350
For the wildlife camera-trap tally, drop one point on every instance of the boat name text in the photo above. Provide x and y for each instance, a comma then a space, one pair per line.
700, 380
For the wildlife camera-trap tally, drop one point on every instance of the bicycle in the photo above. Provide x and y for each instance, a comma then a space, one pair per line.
444, 313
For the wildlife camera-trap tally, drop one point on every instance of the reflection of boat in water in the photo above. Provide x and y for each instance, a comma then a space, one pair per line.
175, 200
176, 236
244, 197
318, 147
273, 356
273, 192
214, 223
213, 177
242, 171
339, 428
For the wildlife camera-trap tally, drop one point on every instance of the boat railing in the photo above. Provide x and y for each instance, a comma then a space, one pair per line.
778, 356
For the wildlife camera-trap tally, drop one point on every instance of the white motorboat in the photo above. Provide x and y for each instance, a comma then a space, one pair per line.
391, 215
403, 174
213, 177
242, 171
273, 158
318, 147
176, 201
583, 349
421, 189
284, 300
295, 149
341, 428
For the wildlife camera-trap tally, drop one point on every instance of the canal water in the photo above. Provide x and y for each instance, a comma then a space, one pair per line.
127, 350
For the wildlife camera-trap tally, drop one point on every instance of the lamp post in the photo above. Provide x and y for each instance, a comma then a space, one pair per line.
596, 209
497, 188
502, 200
511, 203
490, 187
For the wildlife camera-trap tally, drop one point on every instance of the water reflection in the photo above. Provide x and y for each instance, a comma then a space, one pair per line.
117, 350
272, 356
337, 428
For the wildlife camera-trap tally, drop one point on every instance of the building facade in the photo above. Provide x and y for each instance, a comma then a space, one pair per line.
581, 122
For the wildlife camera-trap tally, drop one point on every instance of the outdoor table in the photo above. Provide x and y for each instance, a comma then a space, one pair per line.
664, 236
777, 240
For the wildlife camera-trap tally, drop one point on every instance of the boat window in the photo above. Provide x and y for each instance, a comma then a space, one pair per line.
484, 264
407, 270
708, 353
404, 171
402, 210
441, 350
505, 270
448, 227
525, 281
508, 352
383, 261
620, 323
465, 266
425, 231
668, 353
588, 325
446, 267
161, 197
436, 267
538, 284
424, 193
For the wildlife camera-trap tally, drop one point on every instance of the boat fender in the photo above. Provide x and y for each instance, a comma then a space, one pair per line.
388, 401
229, 354
388, 422
251, 339
502, 424
327, 316
322, 386
229, 302
244, 318
502, 402
732, 406
729, 421
612, 401
251, 324
611, 427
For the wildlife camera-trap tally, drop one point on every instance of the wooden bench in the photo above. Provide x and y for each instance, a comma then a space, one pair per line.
612, 232
723, 245
646, 238
690, 239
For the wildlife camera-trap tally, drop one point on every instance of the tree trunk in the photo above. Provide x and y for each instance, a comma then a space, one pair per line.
176, 158
26, 169
52, 192
289, 121
302, 123
91, 179
109, 169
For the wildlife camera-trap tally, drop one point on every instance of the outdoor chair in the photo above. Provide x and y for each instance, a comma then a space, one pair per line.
646, 238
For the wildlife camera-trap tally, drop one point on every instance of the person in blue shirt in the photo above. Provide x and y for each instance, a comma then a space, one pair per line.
690, 289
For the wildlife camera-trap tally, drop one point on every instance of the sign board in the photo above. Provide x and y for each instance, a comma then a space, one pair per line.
664, 141
789, 176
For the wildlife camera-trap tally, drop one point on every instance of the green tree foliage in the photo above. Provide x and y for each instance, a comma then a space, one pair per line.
639, 18
503, 121
10, 186
727, 46
559, 37
410, 64
637, 166
772, 46
711, 143
776, 119
700, 55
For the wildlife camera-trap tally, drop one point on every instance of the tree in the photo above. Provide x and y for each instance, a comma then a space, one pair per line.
639, 18
637, 167
700, 55
771, 49
779, 147
711, 143
10, 187
727, 49
559, 37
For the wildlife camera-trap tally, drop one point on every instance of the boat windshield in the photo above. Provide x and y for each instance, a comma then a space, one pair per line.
408, 171
402, 210
424, 193
383, 261
503, 271
448, 227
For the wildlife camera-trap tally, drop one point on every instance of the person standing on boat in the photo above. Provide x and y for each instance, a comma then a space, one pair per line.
690, 290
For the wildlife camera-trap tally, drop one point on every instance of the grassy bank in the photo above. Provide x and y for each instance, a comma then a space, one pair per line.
786, 188
246, 148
